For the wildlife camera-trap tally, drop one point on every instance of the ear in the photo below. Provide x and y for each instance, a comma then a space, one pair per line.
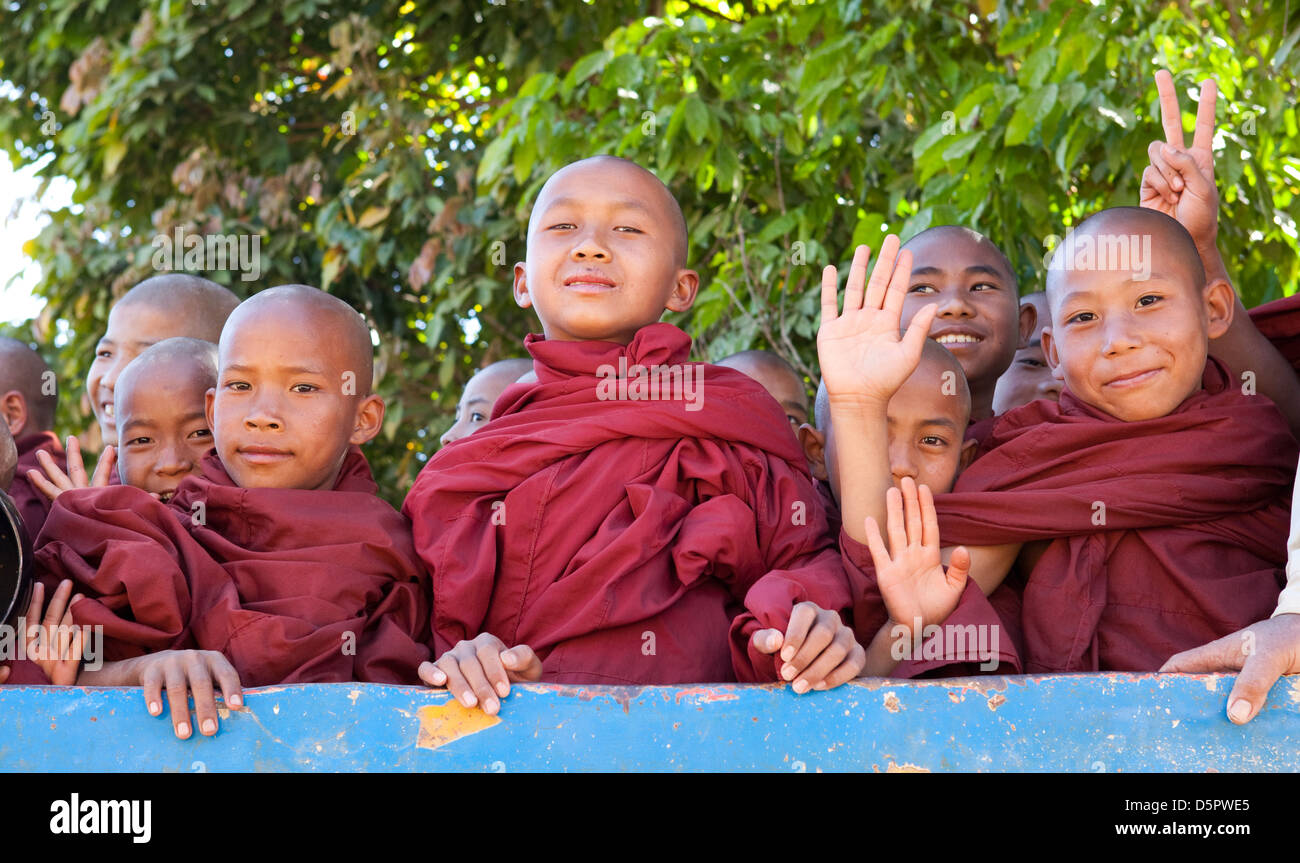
14, 407
209, 403
370, 419
684, 291
1049, 354
1220, 303
814, 450
522, 299
968, 449
1028, 320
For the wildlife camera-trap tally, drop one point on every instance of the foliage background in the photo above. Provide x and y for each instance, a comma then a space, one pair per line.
388, 151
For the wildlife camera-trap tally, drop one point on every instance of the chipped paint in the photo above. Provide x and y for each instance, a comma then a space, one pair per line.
891, 702
353, 696
906, 768
996, 700
440, 724
705, 694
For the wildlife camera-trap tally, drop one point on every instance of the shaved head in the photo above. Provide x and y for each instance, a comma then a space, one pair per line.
23, 371
198, 306
340, 327
778, 377
755, 363
509, 370
8, 458
958, 232
669, 202
188, 356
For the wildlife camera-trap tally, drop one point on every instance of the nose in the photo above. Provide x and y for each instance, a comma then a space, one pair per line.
954, 302
453, 434
1119, 335
263, 415
1049, 385
901, 461
589, 248
174, 459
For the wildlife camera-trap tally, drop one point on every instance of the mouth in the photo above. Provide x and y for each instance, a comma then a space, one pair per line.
263, 455
589, 283
165, 496
957, 338
1133, 379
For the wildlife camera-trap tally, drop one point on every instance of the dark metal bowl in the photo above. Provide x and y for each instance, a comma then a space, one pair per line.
15, 562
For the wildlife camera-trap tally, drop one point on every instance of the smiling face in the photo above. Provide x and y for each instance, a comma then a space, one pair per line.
481, 393
606, 253
926, 418
1029, 377
980, 319
160, 409
1132, 341
293, 390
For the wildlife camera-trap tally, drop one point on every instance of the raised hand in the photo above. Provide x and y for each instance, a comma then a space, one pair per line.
55, 482
916, 588
862, 356
54, 642
1179, 182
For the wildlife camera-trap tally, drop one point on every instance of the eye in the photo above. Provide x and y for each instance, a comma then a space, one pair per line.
1143, 300
477, 417
103, 354
984, 286
1033, 363
921, 289
202, 434
933, 440
1081, 318
139, 441
561, 226
629, 229
304, 388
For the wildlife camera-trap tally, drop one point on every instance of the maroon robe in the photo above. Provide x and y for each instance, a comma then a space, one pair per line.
32, 503
1196, 517
612, 535
292, 585
1279, 322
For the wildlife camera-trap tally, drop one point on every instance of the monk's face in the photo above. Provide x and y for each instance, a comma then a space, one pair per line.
1029, 377
603, 256
285, 408
132, 327
164, 427
927, 424
1133, 343
980, 319
475, 407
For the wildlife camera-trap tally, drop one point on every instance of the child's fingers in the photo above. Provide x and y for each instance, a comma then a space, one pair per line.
178, 699
912, 510
1163, 177
851, 667
35, 607
104, 467
876, 545
76, 467
894, 511
918, 329
472, 671
821, 665
853, 291
767, 640
929, 518
151, 683
456, 683
227, 677
881, 274
43, 485
1203, 139
522, 663
431, 674
802, 618
205, 700
1196, 183
4, 673
1171, 116
830, 293
899, 281
58, 606
959, 567
54, 474
818, 639
489, 658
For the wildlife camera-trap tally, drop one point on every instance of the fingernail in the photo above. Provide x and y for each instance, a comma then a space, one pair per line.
787, 654
788, 672
801, 686
503, 689
820, 686
155, 708
492, 705
209, 727
469, 700
236, 701
1239, 711
183, 730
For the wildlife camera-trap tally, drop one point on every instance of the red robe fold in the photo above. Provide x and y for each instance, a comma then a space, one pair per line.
1196, 509
33, 505
1279, 322
293, 586
618, 537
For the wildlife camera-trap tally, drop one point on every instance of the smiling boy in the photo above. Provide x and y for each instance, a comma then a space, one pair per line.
586, 538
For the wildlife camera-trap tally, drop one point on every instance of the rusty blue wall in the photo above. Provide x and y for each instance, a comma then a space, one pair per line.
1087, 723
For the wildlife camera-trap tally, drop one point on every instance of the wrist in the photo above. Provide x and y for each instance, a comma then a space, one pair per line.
857, 404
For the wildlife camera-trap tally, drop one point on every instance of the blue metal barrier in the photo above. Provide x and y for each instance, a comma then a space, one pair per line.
1086, 723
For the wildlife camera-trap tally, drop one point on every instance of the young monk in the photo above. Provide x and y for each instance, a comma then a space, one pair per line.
979, 316
595, 533
776, 376
280, 556
1150, 506
481, 393
28, 401
1029, 378
159, 407
1180, 183
162, 307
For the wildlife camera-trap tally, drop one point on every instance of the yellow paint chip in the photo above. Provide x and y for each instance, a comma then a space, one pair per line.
442, 723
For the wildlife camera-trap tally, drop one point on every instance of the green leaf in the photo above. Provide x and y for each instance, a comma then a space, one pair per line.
1031, 109
697, 118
